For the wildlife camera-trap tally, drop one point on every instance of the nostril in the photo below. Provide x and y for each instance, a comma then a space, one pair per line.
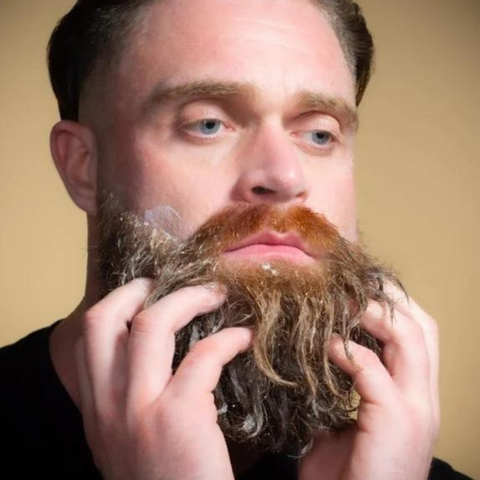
262, 191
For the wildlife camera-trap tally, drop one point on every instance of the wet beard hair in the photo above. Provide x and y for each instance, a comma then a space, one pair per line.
284, 389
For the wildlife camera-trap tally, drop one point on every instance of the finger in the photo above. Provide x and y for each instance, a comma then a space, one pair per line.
85, 400
152, 339
200, 370
404, 352
105, 333
409, 307
372, 381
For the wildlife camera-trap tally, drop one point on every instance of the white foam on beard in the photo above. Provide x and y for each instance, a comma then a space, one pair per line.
166, 220
268, 268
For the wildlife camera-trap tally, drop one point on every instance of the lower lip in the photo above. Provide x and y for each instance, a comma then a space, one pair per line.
262, 251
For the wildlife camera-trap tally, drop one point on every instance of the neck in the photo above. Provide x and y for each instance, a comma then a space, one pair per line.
63, 341
66, 335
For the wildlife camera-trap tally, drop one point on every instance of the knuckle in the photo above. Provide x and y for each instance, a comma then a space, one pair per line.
167, 413
195, 357
201, 355
135, 420
408, 331
367, 359
376, 312
142, 324
92, 318
104, 422
199, 348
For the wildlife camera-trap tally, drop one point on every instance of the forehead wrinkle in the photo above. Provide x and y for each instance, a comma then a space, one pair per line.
335, 105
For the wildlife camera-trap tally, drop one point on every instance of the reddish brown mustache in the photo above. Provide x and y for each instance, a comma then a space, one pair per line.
234, 224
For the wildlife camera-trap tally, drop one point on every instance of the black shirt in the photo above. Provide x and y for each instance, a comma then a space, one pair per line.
42, 428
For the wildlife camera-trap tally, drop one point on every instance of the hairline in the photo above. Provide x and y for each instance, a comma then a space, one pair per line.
108, 62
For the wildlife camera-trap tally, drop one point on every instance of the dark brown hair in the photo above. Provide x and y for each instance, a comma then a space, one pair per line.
97, 31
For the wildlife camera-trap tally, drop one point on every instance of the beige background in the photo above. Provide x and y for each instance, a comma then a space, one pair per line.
418, 171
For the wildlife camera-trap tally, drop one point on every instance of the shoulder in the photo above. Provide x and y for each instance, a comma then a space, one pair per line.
31, 351
43, 426
24, 367
441, 470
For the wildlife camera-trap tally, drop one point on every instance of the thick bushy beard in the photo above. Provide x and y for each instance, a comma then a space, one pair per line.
283, 390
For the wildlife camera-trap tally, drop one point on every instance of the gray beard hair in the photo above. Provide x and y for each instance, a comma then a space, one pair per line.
280, 393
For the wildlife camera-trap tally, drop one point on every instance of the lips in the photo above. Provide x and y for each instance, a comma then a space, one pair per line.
270, 244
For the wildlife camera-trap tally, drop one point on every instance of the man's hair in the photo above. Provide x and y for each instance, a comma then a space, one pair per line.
95, 33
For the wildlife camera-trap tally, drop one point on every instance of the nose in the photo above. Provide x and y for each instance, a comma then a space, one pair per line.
271, 170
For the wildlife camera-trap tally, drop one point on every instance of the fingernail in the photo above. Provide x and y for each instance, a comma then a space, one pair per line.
216, 287
247, 334
145, 283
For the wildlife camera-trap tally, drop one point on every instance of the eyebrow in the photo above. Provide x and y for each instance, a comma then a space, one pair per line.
307, 99
338, 107
199, 88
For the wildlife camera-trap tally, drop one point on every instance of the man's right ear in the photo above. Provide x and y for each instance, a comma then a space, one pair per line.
74, 152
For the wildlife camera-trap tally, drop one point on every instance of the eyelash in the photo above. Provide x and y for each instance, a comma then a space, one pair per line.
188, 128
332, 139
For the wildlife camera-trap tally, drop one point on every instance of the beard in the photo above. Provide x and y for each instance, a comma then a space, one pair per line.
282, 391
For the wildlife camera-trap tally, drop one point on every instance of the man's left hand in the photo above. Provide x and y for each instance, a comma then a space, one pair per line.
399, 412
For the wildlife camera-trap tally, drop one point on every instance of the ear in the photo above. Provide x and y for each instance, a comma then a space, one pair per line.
74, 152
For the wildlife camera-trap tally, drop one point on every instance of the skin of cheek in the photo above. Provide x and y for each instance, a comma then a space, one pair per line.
334, 195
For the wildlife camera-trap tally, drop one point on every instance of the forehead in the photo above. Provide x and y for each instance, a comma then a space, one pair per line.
279, 46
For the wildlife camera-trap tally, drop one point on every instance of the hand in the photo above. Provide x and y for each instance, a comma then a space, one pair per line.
142, 422
399, 413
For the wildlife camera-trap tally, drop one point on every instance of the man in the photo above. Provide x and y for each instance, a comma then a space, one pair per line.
173, 111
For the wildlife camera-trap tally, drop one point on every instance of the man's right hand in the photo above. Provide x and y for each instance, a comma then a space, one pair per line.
142, 422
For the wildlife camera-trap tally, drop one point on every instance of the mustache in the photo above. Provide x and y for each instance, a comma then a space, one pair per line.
236, 223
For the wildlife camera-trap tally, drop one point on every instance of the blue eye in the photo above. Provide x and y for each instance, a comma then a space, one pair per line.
207, 126
321, 137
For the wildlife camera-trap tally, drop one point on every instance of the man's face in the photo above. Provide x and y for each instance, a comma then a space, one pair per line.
220, 102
